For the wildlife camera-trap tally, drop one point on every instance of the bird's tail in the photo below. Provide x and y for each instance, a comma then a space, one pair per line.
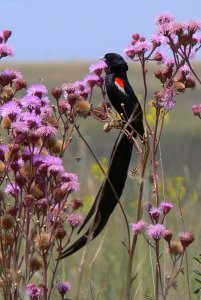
109, 193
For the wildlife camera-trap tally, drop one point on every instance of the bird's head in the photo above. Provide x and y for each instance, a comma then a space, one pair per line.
115, 62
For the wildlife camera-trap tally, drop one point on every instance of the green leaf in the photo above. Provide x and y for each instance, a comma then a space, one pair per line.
197, 272
149, 297
197, 259
199, 281
197, 291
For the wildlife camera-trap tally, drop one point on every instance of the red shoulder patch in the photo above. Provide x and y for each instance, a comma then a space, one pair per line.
119, 81
120, 84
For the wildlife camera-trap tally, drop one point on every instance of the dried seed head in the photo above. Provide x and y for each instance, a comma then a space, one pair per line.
180, 87
7, 238
6, 93
83, 107
56, 149
33, 233
6, 122
42, 240
2, 166
35, 264
35, 191
7, 222
175, 247
59, 194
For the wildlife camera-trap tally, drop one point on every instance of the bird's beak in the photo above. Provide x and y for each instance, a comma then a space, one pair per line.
102, 58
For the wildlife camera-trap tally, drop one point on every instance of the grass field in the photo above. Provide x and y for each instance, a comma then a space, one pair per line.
105, 270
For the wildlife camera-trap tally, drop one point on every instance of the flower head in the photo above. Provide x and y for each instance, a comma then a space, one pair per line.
37, 90
63, 287
186, 238
75, 220
156, 231
6, 50
32, 291
155, 213
167, 17
30, 101
165, 207
196, 109
138, 227
93, 79
10, 109
98, 67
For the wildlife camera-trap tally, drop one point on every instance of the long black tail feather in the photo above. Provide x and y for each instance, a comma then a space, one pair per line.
111, 188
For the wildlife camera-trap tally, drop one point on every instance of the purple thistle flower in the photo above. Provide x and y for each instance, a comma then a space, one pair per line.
158, 39
6, 50
98, 67
30, 101
166, 98
164, 19
141, 47
138, 227
63, 287
37, 89
19, 127
156, 231
32, 291
63, 106
70, 182
129, 52
69, 87
155, 213
45, 111
75, 220
12, 189
193, 26
55, 169
32, 120
196, 109
9, 75
165, 207
93, 79
71, 186
46, 131
10, 109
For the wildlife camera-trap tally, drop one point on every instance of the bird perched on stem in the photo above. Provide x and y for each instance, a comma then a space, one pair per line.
125, 102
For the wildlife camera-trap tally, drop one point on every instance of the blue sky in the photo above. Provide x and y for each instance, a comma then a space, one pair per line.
83, 29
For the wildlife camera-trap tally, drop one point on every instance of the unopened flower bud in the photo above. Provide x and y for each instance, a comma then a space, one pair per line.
167, 235
20, 84
60, 233
186, 238
56, 92
76, 203
72, 98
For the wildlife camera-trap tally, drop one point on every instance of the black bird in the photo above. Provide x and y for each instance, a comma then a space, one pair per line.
125, 102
